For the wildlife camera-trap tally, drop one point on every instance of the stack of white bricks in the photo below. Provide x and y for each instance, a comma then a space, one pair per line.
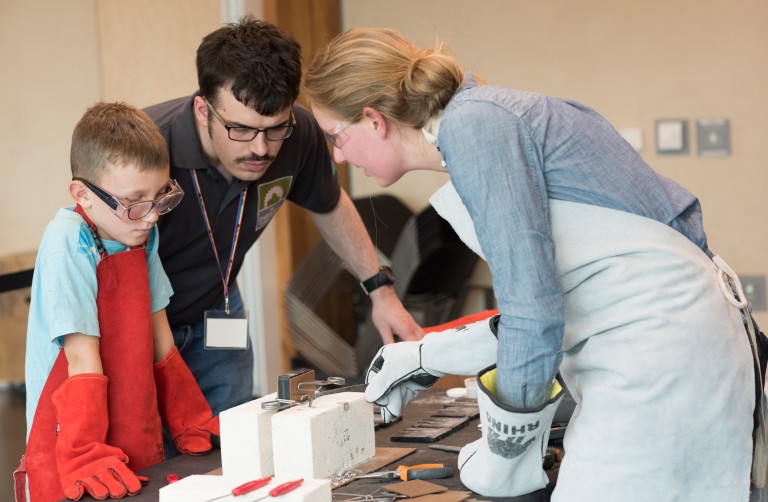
309, 442
312, 442
246, 439
335, 433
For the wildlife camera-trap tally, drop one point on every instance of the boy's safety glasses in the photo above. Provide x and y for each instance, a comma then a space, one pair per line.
138, 210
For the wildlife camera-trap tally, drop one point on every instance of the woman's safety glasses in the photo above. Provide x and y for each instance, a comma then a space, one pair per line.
138, 210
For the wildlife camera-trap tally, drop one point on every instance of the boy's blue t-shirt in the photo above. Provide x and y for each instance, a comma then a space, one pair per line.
64, 289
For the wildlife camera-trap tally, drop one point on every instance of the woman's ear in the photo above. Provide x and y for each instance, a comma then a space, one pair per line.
80, 194
378, 121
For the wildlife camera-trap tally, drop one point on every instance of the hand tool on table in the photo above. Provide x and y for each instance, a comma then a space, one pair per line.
407, 473
282, 489
245, 488
552, 455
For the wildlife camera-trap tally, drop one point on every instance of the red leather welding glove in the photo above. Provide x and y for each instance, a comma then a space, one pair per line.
86, 464
183, 408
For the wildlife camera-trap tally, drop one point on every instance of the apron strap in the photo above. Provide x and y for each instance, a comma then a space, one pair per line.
734, 293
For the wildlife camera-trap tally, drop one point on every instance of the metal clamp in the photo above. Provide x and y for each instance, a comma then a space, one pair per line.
316, 392
310, 392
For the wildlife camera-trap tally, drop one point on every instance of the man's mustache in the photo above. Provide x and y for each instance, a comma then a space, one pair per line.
255, 158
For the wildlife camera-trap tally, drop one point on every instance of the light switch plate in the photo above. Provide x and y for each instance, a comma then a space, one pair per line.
633, 136
671, 136
713, 137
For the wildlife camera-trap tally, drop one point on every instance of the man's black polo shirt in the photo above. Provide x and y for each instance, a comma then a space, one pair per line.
302, 172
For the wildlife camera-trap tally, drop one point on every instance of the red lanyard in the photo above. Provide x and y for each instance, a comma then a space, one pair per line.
235, 237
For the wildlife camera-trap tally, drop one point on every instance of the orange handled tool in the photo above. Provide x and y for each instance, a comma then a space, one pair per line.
407, 473
245, 488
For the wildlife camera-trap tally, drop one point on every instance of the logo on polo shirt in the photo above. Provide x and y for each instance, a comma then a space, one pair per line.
271, 197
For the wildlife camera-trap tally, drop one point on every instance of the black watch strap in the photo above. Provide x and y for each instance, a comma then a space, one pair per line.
383, 277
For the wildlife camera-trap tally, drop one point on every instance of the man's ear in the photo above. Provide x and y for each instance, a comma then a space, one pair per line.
80, 194
378, 121
200, 107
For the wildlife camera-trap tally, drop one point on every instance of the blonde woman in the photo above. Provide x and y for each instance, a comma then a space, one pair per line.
601, 271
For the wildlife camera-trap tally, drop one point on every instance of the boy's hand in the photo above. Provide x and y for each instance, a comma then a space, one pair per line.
84, 461
196, 440
107, 477
183, 407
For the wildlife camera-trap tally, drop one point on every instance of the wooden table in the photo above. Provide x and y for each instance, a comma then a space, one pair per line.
422, 407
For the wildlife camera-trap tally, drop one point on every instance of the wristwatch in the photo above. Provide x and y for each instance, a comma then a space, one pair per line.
383, 277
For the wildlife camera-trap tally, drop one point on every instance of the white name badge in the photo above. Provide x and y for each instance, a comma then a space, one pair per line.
226, 331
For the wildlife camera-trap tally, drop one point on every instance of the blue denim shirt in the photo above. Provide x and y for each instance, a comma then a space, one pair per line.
508, 152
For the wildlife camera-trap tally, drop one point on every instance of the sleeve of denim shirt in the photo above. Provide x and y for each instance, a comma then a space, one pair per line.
496, 163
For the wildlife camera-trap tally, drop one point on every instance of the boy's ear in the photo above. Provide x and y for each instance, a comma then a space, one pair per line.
80, 194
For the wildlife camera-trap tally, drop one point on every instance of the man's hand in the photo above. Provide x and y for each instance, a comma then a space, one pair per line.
390, 317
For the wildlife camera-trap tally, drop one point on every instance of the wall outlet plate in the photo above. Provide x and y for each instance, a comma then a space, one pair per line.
754, 288
713, 137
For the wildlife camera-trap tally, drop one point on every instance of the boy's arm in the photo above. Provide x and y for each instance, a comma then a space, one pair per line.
82, 353
182, 405
84, 462
162, 337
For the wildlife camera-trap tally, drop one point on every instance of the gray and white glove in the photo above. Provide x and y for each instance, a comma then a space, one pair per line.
400, 371
506, 460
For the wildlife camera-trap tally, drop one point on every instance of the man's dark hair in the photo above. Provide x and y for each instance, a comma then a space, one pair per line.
260, 63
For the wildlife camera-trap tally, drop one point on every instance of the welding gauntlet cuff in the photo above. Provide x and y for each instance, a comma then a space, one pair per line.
401, 370
507, 460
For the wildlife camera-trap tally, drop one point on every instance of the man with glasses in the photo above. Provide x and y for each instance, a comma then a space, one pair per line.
240, 148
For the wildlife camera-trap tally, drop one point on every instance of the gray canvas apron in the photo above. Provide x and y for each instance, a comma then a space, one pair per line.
658, 362
655, 355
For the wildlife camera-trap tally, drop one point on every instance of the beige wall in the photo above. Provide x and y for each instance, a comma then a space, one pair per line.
148, 47
49, 61
58, 58
635, 62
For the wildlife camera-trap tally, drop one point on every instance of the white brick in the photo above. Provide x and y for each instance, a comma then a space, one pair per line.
246, 440
335, 433
198, 488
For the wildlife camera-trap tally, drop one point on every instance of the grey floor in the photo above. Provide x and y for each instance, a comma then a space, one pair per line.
12, 436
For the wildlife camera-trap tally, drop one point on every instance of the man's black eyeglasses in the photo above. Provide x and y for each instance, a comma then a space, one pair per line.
138, 210
240, 133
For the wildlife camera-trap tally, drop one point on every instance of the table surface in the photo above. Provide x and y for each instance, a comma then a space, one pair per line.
423, 406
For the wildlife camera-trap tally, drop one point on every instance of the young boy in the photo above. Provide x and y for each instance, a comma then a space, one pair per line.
101, 366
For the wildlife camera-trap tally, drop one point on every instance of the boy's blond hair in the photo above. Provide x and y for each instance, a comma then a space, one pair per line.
111, 134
